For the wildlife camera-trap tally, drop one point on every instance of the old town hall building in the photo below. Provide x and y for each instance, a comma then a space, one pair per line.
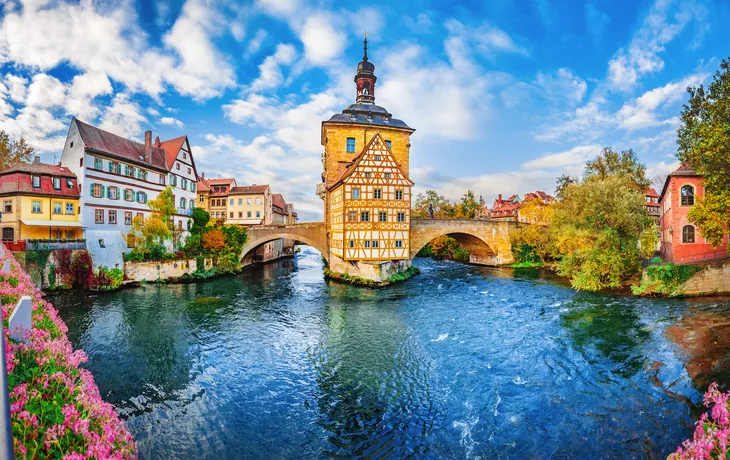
366, 188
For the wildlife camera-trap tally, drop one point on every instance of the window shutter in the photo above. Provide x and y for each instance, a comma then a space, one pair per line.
103, 191
126, 170
111, 166
92, 189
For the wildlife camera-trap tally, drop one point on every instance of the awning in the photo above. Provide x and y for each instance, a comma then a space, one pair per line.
243, 222
51, 223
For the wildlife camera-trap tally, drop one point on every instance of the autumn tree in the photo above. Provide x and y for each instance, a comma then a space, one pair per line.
468, 207
625, 164
214, 240
440, 205
13, 151
535, 237
703, 140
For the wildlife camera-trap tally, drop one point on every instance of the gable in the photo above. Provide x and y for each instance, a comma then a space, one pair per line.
372, 165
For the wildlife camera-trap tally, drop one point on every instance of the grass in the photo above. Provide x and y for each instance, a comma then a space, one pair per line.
363, 282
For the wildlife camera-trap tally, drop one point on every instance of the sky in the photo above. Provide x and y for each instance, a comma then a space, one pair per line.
504, 95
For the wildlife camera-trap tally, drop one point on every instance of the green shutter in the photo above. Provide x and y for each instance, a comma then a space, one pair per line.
92, 189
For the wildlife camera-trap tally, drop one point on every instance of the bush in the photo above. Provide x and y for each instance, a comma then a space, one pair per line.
710, 439
108, 279
214, 240
664, 279
82, 270
525, 253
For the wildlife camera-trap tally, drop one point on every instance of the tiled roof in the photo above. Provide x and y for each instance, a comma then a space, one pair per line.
172, 148
277, 199
117, 146
202, 186
40, 168
249, 190
651, 192
367, 114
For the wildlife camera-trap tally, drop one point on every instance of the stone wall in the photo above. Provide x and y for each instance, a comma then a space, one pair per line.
375, 271
164, 269
713, 279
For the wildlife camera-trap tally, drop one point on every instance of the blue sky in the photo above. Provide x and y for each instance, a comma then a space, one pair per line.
505, 95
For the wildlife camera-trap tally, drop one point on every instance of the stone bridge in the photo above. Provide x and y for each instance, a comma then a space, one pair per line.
488, 241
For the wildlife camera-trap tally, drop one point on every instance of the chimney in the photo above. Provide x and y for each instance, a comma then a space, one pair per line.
202, 176
148, 146
36, 160
499, 197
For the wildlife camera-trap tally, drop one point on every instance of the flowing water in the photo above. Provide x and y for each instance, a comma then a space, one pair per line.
458, 362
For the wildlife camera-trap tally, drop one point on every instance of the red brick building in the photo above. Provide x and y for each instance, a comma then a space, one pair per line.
681, 241
505, 209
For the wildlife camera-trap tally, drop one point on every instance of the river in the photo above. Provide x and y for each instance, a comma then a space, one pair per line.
458, 362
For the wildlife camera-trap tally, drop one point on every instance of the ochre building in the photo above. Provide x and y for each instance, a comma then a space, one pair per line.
365, 185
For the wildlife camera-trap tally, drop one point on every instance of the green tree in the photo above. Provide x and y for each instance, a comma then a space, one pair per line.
441, 206
625, 164
201, 217
468, 207
601, 231
563, 182
703, 140
13, 151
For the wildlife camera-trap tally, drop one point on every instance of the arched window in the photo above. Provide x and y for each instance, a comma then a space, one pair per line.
688, 195
688, 234
8, 234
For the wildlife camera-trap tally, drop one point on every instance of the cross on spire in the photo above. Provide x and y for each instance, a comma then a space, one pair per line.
365, 46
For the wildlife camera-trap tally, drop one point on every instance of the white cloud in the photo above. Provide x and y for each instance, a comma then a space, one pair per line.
270, 70
577, 156
322, 37
16, 87
123, 118
561, 86
666, 20
254, 45
169, 121
487, 39
45, 91
281, 8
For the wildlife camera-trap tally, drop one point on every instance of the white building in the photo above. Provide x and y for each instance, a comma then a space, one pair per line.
117, 178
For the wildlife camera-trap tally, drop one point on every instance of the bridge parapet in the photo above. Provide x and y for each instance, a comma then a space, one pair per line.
312, 233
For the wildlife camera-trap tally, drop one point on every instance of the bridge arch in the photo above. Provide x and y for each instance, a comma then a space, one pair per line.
488, 242
310, 234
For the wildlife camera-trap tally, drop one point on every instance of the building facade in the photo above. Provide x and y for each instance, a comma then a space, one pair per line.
681, 241
651, 203
182, 177
117, 178
218, 197
250, 205
365, 185
39, 201
505, 209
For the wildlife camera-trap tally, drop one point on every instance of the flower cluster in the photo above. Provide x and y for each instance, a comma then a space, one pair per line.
56, 408
710, 440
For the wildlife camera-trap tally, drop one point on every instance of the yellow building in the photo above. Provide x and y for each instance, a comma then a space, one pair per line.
39, 201
366, 187
249, 205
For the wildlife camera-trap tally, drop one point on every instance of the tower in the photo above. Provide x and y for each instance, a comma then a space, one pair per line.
365, 184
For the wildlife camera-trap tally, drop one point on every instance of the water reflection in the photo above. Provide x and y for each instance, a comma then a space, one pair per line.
457, 362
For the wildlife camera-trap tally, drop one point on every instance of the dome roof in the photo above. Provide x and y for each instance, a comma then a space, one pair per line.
365, 66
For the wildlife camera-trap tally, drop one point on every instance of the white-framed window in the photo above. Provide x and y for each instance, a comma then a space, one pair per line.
57, 183
202, 197
258, 200
57, 207
112, 216
183, 203
355, 193
398, 244
70, 208
383, 216
377, 194
401, 217
399, 194
375, 244
69, 184
248, 201
128, 218
113, 193
367, 244
36, 181
35, 207
8, 206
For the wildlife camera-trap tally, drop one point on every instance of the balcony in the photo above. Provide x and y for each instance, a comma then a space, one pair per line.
50, 245
184, 212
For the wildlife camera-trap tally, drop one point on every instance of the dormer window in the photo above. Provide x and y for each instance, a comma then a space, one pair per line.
36, 181
57, 183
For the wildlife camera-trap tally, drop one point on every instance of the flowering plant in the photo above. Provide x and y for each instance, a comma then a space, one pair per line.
55, 406
710, 440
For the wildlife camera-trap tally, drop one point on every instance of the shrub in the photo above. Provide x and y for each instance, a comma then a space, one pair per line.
664, 279
710, 439
63, 264
108, 279
214, 240
82, 270
52, 276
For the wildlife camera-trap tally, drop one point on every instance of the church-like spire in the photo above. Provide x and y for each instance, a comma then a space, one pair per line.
365, 78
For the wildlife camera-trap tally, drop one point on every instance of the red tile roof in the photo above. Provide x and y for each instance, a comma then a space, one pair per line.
203, 187
105, 142
249, 190
652, 193
18, 180
172, 148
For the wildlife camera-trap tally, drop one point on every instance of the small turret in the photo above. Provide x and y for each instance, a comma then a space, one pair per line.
365, 78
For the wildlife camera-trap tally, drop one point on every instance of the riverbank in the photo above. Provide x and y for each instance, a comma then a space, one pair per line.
362, 282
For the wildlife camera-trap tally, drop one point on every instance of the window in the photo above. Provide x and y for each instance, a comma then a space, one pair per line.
377, 193
192, 203
240, 214
8, 206
101, 243
69, 184
231, 202
36, 181
387, 175
128, 218
202, 198
96, 190
183, 203
179, 225
193, 188
240, 201
375, 243
112, 216
258, 200
248, 201
367, 174
140, 215
190, 171
383, 216
399, 194
184, 183
231, 215
71, 145
688, 195
98, 164
365, 216
688, 234
113, 193
401, 217
351, 145
178, 166
57, 183
81, 162
352, 243
377, 157
352, 216
162, 179
185, 156
141, 197
8, 234
70, 208
398, 244
128, 194
35, 207
258, 213
248, 214
355, 193
389, 144
99, 216
173, 180
367, 244
57, 208
112, 167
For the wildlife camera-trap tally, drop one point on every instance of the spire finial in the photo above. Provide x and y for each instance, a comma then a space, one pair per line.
365, 46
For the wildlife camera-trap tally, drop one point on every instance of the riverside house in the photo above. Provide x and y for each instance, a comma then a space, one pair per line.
39, 201
117, 178
681, 242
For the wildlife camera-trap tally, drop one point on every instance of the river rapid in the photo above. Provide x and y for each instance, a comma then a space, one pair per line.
458, 362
